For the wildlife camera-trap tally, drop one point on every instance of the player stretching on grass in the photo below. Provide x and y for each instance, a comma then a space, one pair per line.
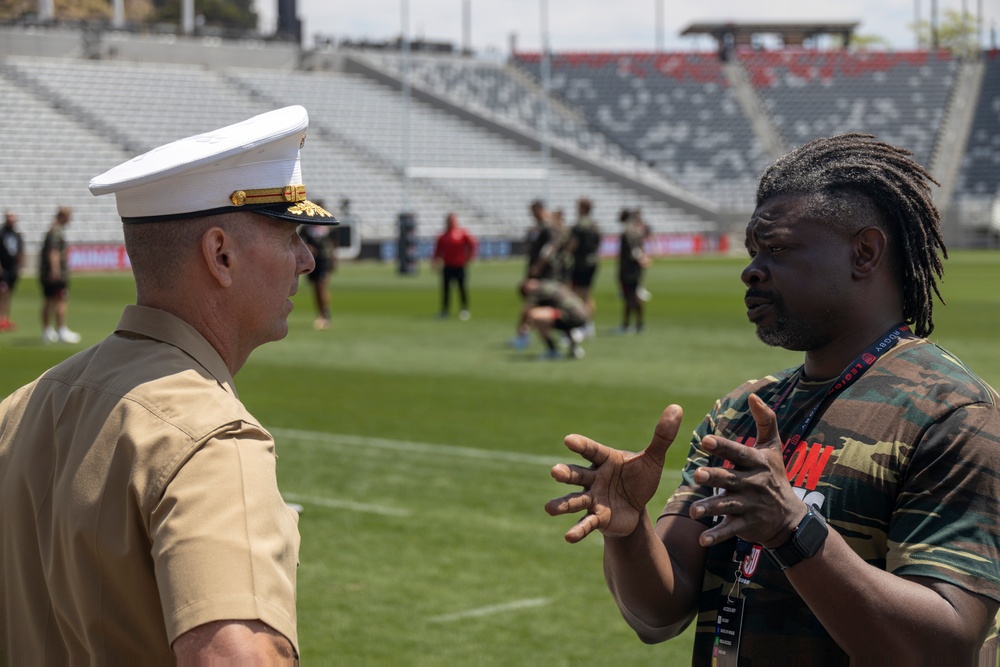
550, 304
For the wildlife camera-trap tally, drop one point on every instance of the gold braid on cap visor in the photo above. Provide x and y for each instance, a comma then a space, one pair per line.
288, 193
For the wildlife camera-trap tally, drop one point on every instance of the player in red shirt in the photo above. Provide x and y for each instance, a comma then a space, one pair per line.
453, 250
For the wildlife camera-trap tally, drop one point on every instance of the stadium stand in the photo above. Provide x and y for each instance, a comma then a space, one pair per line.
499, 89
681, 135
137, 106
46, 160
979, 177
900, 97
676, 111
461, 158
142, 105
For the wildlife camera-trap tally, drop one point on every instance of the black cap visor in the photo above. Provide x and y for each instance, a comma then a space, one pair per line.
303, 212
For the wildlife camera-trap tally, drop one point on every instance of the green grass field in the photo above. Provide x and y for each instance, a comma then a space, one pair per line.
420, 448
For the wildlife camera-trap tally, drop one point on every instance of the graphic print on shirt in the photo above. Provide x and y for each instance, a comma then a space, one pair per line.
804, 469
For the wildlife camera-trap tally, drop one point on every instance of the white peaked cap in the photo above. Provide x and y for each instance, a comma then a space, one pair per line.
250, 166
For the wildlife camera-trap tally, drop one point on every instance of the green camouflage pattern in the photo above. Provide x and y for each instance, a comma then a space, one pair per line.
903, 464
559, 296
632, 238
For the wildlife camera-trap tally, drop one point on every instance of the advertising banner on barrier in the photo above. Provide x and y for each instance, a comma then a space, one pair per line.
103, 257
666, 245
112, 257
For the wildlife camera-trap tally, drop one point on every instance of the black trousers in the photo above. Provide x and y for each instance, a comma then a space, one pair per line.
449, 275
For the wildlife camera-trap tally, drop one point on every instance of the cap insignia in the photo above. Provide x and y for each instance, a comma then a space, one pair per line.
309, 209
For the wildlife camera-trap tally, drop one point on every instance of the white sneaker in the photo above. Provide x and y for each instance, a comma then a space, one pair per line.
67, 336
49, 335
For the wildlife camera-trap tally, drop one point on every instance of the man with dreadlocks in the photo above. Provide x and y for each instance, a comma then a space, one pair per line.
842, 510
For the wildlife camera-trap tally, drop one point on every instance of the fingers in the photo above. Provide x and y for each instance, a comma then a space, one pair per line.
665, 433
573, 474
582, 528
589, 449
741, 456
663, 436
570, 503
767, 423
729, 527
720, 478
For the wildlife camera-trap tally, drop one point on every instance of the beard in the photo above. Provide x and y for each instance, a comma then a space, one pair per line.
790, 331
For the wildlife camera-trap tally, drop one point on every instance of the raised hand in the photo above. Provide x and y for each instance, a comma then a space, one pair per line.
758, 503
618, 484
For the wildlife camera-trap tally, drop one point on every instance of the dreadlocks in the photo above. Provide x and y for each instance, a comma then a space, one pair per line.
851, 173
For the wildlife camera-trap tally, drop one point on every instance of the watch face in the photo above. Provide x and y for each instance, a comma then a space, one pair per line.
811, 534
805, 541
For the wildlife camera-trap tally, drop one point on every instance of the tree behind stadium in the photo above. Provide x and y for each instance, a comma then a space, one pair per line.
230, 14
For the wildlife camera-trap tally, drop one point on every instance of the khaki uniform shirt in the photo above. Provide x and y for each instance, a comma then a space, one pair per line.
139, 500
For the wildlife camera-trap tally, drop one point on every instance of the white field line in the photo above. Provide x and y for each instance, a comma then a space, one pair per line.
359, 443
341, 439
347, 505
491, 610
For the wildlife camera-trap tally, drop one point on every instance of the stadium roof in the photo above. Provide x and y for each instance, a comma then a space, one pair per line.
792, 33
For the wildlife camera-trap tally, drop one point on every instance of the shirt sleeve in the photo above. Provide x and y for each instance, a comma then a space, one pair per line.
946, 523
225, 545
688, 492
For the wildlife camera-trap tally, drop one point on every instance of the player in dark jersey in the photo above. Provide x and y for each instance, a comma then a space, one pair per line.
11, 263
53, 273
322, 245
584, 248
632, 263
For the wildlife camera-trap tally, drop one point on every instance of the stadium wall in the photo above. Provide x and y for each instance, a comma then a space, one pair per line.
91, 43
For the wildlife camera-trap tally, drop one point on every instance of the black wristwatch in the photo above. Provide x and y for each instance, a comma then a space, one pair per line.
805, 542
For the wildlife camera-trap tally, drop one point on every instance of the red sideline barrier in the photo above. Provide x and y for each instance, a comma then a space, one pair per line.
112, 257
106, 257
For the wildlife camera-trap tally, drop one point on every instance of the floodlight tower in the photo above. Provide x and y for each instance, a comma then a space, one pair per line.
406, 249
466, 27
405, 87
934, 25
658, 20
187, 17
546, 89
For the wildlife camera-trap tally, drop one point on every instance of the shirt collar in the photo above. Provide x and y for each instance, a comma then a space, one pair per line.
162, 326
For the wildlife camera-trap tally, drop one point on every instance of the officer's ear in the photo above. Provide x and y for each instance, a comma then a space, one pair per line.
217, 249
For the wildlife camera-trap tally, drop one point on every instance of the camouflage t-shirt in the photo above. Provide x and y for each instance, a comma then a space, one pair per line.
629, 266
903, 464
557, 295
54, 240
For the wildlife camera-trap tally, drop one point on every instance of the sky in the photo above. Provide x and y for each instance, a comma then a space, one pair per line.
605, 25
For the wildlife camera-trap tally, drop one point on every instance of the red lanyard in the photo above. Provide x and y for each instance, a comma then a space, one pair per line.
847, 377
